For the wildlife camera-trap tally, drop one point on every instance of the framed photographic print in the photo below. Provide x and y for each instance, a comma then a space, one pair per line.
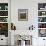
22, 14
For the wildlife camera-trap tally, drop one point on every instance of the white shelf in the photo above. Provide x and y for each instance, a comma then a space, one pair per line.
42, 16
3, 10
3, 22
41, 28
41, 22
3, 16
41, 10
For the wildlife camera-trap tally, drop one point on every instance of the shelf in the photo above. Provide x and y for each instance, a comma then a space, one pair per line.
3, 13
41, 10
42, 16
41, 22
3, 16
41, 28
3, 22
3, 10
42, 19
4, 19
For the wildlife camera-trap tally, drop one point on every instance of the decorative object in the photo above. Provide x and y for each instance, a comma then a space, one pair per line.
41, 19
41, 6
31, 27
22, 14
3, 13
6, 7
4, 29
3, 6
23, 40
13, 27
43, 13
42, 25
42, 32
0, 7
3, 19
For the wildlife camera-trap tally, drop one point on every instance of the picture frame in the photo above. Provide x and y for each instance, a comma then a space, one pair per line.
22, 14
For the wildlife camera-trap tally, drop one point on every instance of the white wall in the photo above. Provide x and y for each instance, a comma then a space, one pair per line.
32, 6
32, 13
3, 1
